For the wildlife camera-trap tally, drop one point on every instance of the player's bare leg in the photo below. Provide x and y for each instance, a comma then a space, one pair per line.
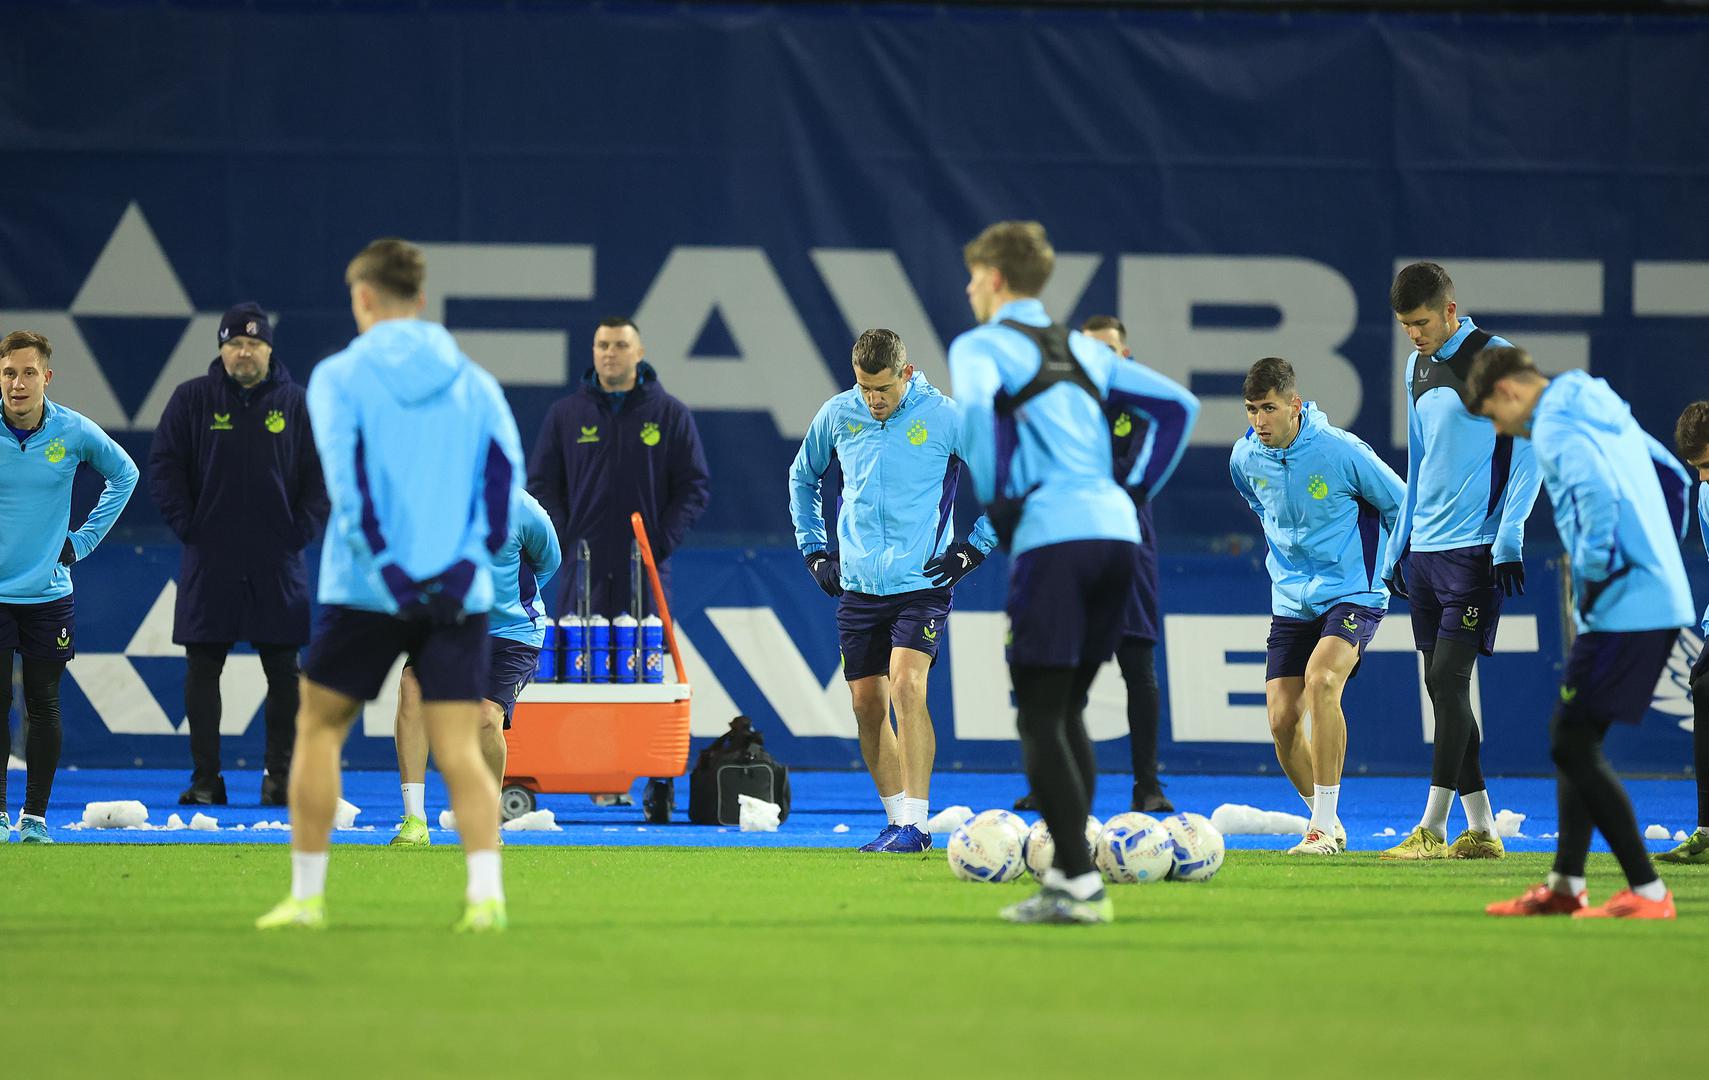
323, 722
1284, 702
1326, 674
410, 735
878, 748
916, 742
494, 750
453, 733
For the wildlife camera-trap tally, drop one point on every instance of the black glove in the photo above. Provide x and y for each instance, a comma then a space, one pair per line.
1593, 590
1510, 578
958, 560
67, 554
423, 600
1396, 581
827, 570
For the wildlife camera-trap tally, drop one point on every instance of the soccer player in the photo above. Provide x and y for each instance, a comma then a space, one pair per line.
517, 626
422, 460
1611, 486
1325, 499
1458, 550
901, 445
1137, 653
1691, 434
42, 446
1034, 395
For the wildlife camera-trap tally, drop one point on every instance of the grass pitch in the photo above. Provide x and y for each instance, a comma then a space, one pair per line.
140, 961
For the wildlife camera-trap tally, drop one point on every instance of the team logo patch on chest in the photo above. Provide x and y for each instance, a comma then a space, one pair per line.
650, 433
55, 452
275, 421
1123, 426
1318, 487
917, 433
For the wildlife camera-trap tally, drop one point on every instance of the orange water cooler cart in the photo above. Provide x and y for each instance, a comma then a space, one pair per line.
599, 738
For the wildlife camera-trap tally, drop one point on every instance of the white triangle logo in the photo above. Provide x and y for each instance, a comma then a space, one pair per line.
132, 277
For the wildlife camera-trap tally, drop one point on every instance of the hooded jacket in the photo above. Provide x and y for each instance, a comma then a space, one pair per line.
899, 481
421, 459
237, 479
523, 567
1616, 492
1326, 501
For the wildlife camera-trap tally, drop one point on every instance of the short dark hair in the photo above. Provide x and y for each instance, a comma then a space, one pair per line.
877, 351
1019, 250
1421, 285
1270, 373
26, 339
613, 322
1494, 365
1104, 322
393, 267
1692, 431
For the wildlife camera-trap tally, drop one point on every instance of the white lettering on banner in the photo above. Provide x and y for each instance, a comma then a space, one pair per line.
710, 709
1488, 288
510, 272
1670, 288
777, 368
1317, 312
1201, 677
766, 650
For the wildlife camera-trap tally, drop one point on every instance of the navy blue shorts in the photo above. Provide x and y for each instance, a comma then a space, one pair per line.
870, 626
1144, 619
1069, 602
1611, 677
41, 631
353, 650
1292, 640
1454, 595
510, 668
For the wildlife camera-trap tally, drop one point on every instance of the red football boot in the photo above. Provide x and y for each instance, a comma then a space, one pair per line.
1539, 900
1627, 904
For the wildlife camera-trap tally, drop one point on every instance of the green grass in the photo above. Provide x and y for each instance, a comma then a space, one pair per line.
140, 961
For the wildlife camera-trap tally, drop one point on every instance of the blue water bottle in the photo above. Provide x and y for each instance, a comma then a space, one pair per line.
623, 632
572, 643
546, 668
599, 649
653, 649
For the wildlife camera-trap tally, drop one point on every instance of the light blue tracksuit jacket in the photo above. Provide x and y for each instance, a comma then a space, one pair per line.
521, 570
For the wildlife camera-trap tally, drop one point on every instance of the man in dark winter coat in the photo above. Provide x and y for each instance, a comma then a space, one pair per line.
234, 471
617, 445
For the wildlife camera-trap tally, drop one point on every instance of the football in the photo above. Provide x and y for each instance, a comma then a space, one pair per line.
985, 851
1134, 848
1198, 847
1008, 818
1039, 850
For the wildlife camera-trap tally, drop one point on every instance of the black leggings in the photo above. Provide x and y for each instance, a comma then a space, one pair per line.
1590, 795
1144, 707
1448, 678
1057, 754
203, 708
1699, 734
41, 719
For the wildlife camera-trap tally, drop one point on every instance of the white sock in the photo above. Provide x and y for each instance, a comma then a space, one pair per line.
1436, 810
308, 873
892, 806
1565, 886
1323, 807
915, 812
485, 882
1083, 887
1655, 890
31, 817
1478, 814
1310, 805
415, 801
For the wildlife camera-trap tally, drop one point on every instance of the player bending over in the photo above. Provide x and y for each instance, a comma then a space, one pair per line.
1611, 486
517, 626
900, 444
422, 461
1034, 395
1692, 437
1326, 500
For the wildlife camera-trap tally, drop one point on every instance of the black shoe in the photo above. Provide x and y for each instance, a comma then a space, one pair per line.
1151, 801
275, 790
1026, 802
204, 793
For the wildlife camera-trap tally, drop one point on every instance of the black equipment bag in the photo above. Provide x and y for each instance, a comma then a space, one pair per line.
736, 763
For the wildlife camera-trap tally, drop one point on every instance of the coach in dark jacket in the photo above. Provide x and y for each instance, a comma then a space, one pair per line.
234, 471
617, 445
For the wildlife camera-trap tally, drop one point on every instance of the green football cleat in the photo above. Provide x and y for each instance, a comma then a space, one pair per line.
1419, 844
1476, 844
1694, 850
31, 831
291, 913
412, 833
1056, 906
488, 916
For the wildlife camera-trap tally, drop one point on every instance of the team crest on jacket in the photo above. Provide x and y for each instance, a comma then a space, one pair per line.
650, 433
1318, 488
55, 451
917, 433
1124, 425
275, 421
